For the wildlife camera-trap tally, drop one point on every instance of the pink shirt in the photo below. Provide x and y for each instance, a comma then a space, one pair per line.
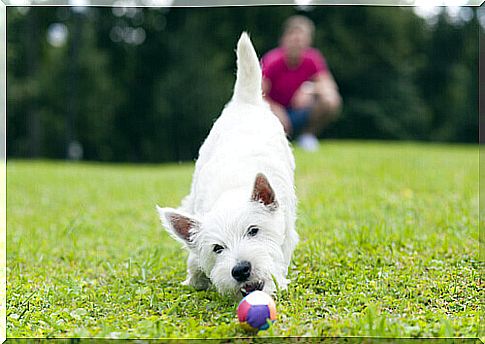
285, 80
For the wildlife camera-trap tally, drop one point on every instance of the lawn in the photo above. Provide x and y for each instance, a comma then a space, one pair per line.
389, 247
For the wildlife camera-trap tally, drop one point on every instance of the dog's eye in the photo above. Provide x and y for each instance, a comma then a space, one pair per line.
218, 249
252, 231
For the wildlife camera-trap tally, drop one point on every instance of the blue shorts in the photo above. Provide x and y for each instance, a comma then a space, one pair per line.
298, 118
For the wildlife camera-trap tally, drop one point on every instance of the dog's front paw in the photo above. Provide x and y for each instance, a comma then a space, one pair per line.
275, 285
199, 281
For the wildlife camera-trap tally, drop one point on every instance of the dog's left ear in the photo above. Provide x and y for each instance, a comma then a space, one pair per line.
263, 192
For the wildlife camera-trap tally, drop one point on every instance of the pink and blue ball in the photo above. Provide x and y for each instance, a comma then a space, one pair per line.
255, 310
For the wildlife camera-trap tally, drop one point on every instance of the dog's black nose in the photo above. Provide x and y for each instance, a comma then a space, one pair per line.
241, 271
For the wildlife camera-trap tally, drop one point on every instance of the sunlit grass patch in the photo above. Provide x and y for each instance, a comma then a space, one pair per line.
389, 247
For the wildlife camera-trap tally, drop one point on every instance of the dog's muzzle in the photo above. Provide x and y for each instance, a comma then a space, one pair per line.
250, 287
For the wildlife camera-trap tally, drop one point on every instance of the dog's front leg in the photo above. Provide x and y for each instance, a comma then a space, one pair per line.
195, 276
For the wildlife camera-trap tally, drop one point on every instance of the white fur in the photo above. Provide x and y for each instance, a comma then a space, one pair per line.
246, 139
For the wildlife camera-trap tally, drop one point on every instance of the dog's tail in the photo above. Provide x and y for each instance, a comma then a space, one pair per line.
248, 80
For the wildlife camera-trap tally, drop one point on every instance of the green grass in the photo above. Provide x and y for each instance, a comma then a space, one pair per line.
389, 247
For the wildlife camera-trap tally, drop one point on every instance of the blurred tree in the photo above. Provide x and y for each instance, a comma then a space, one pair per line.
374, 53
46, 89
149, 82
23, 88
449, 80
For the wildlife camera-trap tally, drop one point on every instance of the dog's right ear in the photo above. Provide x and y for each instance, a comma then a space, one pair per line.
180, 226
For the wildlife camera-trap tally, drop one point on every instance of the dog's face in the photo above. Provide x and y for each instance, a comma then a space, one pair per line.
237, 244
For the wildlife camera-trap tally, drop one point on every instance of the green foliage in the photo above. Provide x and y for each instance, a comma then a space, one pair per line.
389, 247
400, 78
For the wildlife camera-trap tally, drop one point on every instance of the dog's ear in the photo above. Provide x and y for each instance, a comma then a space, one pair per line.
181, 226
263, 192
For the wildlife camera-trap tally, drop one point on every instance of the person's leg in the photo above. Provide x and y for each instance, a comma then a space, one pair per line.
320, 107
325, 108
301, 108
321, 115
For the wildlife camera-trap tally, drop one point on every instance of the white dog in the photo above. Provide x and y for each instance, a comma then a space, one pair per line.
238, 222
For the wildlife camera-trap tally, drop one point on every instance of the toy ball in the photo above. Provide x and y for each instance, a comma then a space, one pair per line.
255, 310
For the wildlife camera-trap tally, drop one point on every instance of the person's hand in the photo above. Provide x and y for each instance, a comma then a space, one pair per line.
304, 96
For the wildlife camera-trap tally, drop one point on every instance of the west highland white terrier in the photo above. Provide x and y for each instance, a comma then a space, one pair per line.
238, 222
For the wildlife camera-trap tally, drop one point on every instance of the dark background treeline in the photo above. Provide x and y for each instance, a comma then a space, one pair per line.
141, 84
